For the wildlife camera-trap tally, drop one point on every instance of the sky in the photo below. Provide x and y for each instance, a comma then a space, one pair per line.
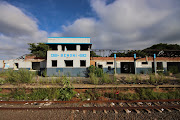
111, 24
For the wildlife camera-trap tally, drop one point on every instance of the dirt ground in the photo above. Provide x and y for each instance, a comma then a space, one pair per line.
89, 115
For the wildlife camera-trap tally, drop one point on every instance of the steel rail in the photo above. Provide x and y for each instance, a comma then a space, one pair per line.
95, 101
87, 108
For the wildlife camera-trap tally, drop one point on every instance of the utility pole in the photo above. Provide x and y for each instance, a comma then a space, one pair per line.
114, 63
135, 63
155, 64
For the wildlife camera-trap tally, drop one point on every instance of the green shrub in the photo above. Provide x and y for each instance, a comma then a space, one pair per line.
97, 71
25, 75
19, 94
94, 79
152, 79
66, 93
3, 74
44, 73
2, 81
20, 76
105, 78
92, 94
173, 69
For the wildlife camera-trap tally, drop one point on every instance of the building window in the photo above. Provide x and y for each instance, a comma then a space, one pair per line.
68, 47
54, 63
159, 66
17, 65
109, 67
110, 63
144, 63
84, 47
69, 63
100, 66
36, 65
83, 63
53, 47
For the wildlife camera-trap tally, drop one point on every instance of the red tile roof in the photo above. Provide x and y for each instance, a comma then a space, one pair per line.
138, 59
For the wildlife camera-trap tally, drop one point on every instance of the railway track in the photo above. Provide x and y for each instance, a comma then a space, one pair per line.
111, 105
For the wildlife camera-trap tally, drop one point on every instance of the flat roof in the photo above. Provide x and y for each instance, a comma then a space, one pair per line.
68, 43
139, 59
68, 37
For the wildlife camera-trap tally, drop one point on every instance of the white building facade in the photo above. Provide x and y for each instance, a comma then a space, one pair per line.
68, 56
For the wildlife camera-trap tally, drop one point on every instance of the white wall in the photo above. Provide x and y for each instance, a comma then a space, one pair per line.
21, 62
62, 55
1, 63
60, 60
140, 65
69, 40
105, 65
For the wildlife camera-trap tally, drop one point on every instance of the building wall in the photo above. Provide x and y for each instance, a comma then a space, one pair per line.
73, 72
1, 63
21, 63
62, 55
140, 68
69, 40
43, 64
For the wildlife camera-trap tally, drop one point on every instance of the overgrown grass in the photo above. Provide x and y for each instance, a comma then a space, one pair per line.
93, 78
97, 71
90, 94
105, 78
145, 94
65, 93
20, 76
157, 79
97, 76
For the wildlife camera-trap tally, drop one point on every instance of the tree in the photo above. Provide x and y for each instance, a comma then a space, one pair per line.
93, 54
139, 53
150, 50
164, 46
39, 49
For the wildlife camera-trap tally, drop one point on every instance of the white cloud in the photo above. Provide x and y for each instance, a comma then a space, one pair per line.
122, 24
83, 26
16, 30
129, 24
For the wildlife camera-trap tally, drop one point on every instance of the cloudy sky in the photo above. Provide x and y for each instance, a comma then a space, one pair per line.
111, 24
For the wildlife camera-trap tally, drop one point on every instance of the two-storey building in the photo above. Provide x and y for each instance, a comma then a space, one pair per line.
68, 56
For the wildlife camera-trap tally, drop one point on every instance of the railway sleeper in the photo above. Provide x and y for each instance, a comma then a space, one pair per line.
94, 111
126, 110
105, 111
139, 104
137, 111
149, 104
162, 108
175, 108
112, 105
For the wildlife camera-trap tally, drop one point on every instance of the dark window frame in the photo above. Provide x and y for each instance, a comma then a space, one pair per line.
67, 62
84, 64
17, 65
109, 68
69, 47
53, 63
159, 65
144, 63
84, 47
109, 63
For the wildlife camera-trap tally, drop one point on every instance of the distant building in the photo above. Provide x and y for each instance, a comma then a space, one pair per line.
28, 62
143, 65
71, 56
68, 55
